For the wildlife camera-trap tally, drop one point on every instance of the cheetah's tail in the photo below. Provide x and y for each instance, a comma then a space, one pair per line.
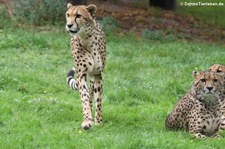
70, 79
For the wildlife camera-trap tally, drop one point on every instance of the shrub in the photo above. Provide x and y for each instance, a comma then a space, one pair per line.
158, 35
109, 24
5, 18
152, 35
40, 12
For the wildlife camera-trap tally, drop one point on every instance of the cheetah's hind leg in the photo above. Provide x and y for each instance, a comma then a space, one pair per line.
70, 79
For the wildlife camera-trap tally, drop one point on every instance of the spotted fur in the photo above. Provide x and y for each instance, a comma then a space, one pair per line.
200, 110
88, 49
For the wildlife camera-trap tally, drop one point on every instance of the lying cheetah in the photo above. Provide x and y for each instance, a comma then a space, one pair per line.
88, 49
221, 69
217, 68
199, 111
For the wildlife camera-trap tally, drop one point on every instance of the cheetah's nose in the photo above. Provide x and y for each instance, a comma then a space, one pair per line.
69, 25
209, 88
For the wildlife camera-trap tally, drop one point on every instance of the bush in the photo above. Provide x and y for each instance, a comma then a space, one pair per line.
158, 35
5, 18
40, 12
109, 24
152, 35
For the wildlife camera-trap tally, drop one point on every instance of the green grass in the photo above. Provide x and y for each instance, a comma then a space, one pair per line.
142, 82
211, 14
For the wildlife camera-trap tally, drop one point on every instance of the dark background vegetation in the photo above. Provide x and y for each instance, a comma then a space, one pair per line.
155, 20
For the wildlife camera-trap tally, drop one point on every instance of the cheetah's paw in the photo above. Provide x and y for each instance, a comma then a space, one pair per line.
86, 124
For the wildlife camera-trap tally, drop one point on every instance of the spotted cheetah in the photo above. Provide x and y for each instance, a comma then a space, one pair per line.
218, 68
200, 110
221, 69
88, 49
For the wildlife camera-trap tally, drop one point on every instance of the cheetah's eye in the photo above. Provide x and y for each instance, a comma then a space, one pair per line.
78, 15
215, 80
203, 80
218, 71
68, 15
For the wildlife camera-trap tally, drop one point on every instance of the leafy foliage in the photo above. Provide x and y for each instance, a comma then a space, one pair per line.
157, 35
5, 18
40, 12
109, 24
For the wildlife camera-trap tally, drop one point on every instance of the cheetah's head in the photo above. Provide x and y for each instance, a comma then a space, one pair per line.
208, 84
218, 68
79, 17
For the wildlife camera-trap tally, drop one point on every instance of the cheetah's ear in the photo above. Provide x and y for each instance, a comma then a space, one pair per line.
92, 9
194, 73
69, 5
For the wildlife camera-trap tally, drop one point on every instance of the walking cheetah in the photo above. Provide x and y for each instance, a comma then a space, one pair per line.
88, 49
200, 110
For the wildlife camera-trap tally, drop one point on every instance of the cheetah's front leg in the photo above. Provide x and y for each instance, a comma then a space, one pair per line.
196, 133
216, 135
98, 96
194, 130
85, 97
91, 90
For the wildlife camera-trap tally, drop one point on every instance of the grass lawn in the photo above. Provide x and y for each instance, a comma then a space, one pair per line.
143, 80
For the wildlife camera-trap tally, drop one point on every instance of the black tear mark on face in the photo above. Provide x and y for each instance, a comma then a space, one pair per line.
78, 16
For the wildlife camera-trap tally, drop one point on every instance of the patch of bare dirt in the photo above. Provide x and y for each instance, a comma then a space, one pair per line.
137, 19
